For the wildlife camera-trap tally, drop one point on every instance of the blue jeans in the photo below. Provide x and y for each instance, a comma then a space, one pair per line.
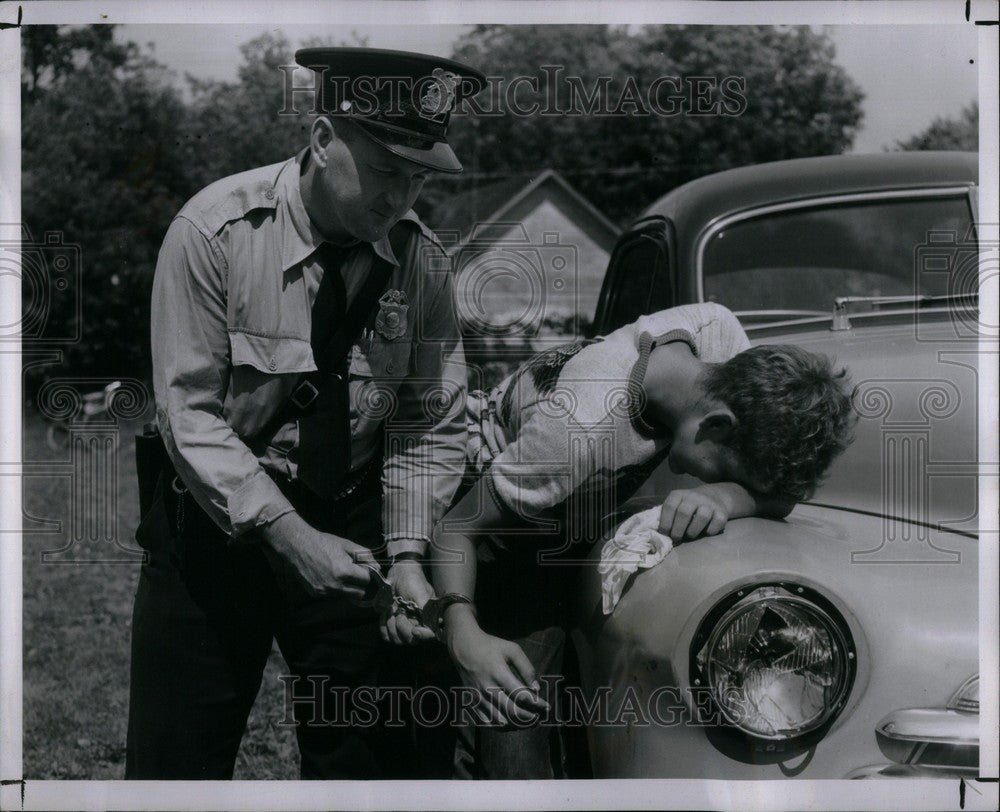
513, 752
519, 599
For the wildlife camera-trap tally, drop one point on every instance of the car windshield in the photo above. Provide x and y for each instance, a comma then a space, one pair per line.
795, 262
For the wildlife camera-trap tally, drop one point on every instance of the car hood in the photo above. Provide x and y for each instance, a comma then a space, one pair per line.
914, 456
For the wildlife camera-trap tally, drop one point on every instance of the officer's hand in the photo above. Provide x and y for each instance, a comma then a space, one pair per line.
408, 581
315, 564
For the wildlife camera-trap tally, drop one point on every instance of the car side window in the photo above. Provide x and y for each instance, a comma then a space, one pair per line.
638, 279
797, 261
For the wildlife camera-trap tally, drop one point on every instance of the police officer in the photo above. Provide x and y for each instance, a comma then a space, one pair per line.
309, 385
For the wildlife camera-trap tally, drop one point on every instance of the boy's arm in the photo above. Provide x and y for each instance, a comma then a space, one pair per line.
704, 510
453, 544
498, 668
740, 502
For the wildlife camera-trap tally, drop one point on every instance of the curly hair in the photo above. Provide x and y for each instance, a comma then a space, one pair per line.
793, 412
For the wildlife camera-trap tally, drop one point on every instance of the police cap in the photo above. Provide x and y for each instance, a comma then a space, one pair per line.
401, 100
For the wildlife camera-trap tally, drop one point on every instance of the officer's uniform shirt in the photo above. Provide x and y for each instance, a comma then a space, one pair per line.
231, 318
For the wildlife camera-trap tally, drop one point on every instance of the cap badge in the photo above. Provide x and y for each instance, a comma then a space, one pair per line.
391, 319
440, 96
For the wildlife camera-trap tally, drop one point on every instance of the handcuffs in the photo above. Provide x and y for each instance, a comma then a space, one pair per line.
383, 598
386, 601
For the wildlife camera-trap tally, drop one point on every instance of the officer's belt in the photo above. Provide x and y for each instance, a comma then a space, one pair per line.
302, 498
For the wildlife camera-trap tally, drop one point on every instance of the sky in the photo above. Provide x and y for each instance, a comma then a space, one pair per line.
910, 74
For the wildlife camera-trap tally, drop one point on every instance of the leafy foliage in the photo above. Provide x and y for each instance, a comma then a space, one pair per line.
798, 103
230, 127
960, 133
493, 358
103, 168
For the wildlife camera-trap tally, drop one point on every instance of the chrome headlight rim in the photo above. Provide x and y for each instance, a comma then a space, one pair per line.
790, 593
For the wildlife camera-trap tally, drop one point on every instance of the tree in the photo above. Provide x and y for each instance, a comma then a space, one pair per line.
101, 167
948, 133
796, 102
110, 151
50, 53
234, 126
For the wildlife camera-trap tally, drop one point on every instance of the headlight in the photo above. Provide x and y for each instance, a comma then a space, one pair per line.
778, 660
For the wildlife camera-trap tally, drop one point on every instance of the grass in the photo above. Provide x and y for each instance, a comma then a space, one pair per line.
76, 634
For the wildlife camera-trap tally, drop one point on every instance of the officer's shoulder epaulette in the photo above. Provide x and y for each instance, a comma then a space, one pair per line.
232, 198
415, 222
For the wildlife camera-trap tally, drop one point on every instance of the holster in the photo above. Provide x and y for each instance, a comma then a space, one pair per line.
151, 461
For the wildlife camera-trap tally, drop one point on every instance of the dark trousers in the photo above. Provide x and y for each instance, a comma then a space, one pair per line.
204, 618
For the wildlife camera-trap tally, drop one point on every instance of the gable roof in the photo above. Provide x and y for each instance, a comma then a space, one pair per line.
511, 199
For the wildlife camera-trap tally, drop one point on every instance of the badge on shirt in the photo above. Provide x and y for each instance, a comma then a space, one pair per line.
391, 319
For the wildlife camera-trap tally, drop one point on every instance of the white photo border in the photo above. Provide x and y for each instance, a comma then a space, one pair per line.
15, 793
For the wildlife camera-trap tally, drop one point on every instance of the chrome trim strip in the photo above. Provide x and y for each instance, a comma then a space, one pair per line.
725, 221
873, 316
961, 695
895, 517
892, 770
931, 726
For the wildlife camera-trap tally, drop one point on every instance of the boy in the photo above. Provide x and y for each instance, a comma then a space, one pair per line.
570, 436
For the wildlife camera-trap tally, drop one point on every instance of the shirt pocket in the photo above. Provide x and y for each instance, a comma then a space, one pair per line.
264, 370
376, 370
274, 355
380, 359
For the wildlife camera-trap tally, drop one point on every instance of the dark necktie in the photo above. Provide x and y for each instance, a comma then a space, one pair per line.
325, 431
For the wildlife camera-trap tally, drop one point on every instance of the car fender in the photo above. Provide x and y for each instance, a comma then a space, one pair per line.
644, 645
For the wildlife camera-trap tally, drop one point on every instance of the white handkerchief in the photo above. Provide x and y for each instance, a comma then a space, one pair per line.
636, 544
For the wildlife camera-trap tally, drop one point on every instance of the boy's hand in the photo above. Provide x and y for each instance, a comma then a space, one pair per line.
501, 672
408, 581
688, 514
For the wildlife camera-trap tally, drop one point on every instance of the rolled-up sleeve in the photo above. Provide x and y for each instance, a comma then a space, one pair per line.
190, 351
426, 436
547, 462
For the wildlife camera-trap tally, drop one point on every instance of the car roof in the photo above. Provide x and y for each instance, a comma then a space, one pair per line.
707, 198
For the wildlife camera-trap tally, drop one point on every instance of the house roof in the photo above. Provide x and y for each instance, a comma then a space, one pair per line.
511, 199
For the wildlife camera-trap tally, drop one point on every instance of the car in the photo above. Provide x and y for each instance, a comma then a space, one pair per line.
842, 641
